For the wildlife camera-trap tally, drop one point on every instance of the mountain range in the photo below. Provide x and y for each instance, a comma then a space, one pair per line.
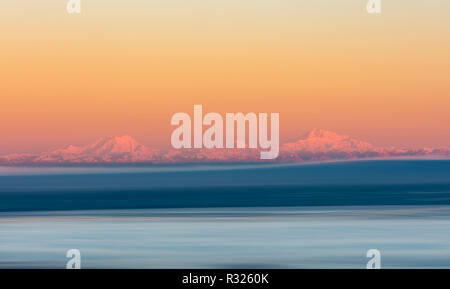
317, 145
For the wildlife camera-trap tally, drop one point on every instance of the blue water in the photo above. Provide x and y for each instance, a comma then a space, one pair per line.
324, 215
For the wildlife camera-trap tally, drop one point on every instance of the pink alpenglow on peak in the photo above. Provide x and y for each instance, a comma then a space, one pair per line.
319, 140
123, 149
123, 144
317, 145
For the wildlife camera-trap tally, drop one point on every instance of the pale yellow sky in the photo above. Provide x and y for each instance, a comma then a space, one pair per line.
124, 67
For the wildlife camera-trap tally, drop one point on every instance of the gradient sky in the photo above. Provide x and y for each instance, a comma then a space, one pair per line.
125, 67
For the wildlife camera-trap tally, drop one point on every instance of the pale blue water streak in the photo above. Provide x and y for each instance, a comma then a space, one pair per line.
296, 237
323, 215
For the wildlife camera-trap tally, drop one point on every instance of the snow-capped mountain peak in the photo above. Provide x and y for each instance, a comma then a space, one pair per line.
122, 144
321, 133
319, 140
104, 150
316, 145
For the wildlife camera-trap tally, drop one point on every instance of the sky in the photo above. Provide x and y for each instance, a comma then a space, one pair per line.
125, 67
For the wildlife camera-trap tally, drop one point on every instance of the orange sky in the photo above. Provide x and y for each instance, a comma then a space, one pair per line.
126, 67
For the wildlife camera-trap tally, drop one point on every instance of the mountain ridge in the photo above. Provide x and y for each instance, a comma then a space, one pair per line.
316, 145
